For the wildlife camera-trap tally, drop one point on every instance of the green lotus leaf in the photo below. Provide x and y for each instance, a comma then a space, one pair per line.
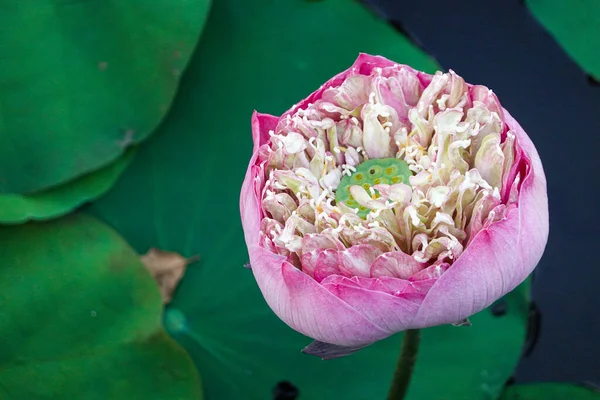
575, 25
80, 318
57, 201
80, 81
549, 391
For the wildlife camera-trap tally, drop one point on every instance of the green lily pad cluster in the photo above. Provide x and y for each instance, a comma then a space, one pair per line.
86, 85
81, 84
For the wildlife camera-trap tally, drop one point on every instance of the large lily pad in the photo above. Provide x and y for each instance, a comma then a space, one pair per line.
82, 80
549, 391
57, 201
181, 194
80, 317
575, 25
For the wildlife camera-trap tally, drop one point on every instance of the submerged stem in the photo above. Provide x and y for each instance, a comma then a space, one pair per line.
405, 364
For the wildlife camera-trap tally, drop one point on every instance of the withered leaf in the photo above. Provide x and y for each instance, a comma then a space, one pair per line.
167, 268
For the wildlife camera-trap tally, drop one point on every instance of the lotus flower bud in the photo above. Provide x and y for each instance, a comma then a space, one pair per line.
388, 200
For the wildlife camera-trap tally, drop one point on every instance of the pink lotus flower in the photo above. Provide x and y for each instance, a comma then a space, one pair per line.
388, 200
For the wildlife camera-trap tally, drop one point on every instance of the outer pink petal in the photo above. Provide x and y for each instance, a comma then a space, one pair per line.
414, 291
306, 306
253, 181
390, 313
250, 209
500, 257
261, 125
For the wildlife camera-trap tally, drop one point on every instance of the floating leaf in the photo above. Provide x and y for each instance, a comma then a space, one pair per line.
167, 269
549, 391
54, 202
575, 25
182, 193
80, 317
82, 80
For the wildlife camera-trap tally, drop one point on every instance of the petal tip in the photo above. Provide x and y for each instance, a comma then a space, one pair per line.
261, 125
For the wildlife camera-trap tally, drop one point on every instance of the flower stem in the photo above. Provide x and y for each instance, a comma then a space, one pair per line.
405, 364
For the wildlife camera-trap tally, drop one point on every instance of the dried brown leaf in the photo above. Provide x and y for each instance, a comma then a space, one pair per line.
167, 268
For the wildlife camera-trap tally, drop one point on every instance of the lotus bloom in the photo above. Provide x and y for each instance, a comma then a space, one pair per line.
391, 199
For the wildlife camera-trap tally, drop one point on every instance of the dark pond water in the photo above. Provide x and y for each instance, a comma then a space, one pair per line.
500, 44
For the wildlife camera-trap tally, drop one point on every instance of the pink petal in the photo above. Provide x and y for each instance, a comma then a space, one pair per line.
411, 87
388, 312
500, 257
393, 286
309, 262
261, 125
395, 98
395, 264
363, 65
250, 208
354, 92
357, 260
306, 306
516, 168
317, 241
412, 290
431, 272
327, 263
